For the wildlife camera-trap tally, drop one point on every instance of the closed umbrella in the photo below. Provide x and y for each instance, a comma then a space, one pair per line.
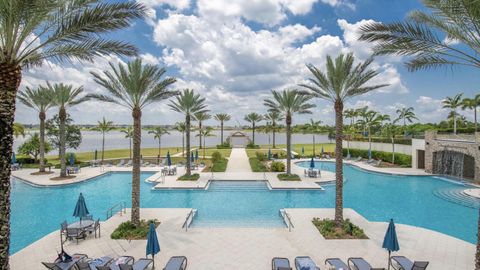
196, 154
369, 154
321, 152
169, 159
303, 150
192, 158
153, 247
72, 159
95, 155
14, 158
269, 154
390, 242
81, 209
312, 163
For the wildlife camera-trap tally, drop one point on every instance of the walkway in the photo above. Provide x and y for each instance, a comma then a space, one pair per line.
238, 161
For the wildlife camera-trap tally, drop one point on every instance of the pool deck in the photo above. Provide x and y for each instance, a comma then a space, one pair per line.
253, 248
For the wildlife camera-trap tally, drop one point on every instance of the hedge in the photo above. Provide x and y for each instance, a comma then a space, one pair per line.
406, 141
400, 159
459, 130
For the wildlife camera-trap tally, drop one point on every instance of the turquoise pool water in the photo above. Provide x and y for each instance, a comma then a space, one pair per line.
410, 200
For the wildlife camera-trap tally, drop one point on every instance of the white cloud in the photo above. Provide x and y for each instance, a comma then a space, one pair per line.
430, 109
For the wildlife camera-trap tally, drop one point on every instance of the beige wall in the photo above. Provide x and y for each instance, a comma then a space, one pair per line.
385, 147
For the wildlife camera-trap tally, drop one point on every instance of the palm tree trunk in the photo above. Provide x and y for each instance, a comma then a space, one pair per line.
200, 134
454, 122
187, 131
313, 145
62, 114
475, 117
204, 148
137, 140
103, 145
221, 132
10, 78
183, 143
339, 163
369, 140
42, 117
253, 133
160, 146
130, 148
404, 128
393, 149
289, 146
273, 145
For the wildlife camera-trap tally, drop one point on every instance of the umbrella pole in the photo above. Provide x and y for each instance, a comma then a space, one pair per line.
389, 252
153, 260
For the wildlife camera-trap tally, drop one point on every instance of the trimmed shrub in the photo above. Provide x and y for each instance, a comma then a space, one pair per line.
253, 146
459, 130
257, 165
288, 177
261, 156
277, 166
224, 146
400, 159
216, 156
405, 141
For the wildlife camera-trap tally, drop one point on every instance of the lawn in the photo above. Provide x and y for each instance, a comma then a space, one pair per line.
327, 147
209, 152
252, 152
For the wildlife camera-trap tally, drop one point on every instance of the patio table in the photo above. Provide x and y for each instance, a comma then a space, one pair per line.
83, 225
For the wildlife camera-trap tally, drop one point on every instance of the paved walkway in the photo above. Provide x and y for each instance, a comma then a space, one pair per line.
238, 161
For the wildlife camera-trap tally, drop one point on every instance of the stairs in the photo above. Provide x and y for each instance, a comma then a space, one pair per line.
458, 196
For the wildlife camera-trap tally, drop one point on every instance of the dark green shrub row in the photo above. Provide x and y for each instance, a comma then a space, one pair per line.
253, 146
257, 165
400, 159
459, 130
224, 146
406, 141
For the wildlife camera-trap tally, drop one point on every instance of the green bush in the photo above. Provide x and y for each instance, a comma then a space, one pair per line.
459, 130
224, 146
216, 156
193, 177
257, 165
261, 156
288, 177
26, 160
220, 165
253, 146
329, 229
127, 230
400, 159
277, 166
405, 141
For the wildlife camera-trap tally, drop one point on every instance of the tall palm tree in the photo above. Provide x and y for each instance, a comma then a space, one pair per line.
453, 103
313, 127
422, 36
34, 31
64, 96
201, 117
472, 104
289, 102
362, 113
158, 132
180, 127
134, 86
406, 114
18, 130
39, 100
128, 135
349, 114
104, 127
206, 132
222, 118
189, 104
273, 117
389, 130
372, 119
341, 82
253, 118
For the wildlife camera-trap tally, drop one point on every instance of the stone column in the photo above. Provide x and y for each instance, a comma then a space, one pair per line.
430, 136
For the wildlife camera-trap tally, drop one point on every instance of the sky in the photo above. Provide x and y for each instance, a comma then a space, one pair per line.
234, 52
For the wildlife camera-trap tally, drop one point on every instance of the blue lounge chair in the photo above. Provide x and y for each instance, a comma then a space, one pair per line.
281, 264
114, 265
403, 263
141, 264
65, 265
305, 263
360, 264
93, 263
176, 263
337, 263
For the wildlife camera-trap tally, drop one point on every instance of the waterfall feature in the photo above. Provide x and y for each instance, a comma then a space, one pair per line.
449, 162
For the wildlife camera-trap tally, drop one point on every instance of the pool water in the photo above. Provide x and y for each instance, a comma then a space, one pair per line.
410, 200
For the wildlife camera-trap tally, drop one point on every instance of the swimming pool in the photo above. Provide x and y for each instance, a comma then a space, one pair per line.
37, 211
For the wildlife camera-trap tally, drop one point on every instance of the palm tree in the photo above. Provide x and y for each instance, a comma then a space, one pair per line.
104, 126
201, 117
472, 104
64, 96
362, 113
423, 37
134, 86
453, 103
273, 117
180, 127
341, 82
372, 119
222, 117
158, 132
189, 104
389, 130
289, 102
128, 135
406, 114
205, 132
349, 114
18, 130
314, 128
253, 118
34, 31
39, 100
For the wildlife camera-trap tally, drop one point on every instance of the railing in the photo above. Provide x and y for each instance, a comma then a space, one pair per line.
186, 224
287, 220
118, 207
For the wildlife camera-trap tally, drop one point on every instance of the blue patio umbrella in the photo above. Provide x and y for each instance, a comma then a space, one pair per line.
312, 163
390, 242
369, 154
169, 159
153, 247
81, 209
14, 158
303, 150
321, 151
192, 158
95, 155
71, 159
269, 154
196, 154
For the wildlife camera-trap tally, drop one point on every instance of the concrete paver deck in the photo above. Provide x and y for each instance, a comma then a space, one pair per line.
238, 161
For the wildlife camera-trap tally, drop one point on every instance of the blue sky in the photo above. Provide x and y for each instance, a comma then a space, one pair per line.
235, 51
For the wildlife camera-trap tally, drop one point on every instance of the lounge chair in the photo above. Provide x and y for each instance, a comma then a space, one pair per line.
114, 265
337, 263
141, 264
93, 263
129, 163
15, 166
305, 173
360, 264
370, 161
327, 156
377, 163
121, 163
65, 265
281, 264
358, 159
176, 263
305, 263
403, 263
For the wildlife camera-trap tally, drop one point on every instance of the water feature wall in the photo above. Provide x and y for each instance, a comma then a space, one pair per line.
449, 162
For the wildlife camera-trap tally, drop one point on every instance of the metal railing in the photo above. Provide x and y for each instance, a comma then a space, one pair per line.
118, 207
287, 220
186, 224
